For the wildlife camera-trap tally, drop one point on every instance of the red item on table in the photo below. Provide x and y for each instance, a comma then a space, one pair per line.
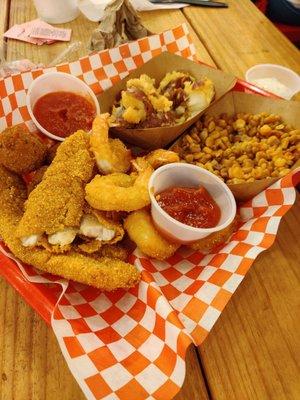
63, 113
191, 206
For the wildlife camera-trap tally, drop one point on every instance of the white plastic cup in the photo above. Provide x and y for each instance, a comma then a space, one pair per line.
57, 82
57, 11
284, 75
187, 175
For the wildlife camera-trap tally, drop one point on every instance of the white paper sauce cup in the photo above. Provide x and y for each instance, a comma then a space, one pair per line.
187, 175
57, 82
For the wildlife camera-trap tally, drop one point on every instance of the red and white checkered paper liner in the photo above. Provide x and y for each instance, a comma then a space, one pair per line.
131, 345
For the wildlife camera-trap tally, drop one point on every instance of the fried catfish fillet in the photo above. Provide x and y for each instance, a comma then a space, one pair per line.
104, 273
56, 216
57, 202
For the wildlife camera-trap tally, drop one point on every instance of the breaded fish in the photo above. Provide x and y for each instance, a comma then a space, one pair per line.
56, 215
104, 273
57, 202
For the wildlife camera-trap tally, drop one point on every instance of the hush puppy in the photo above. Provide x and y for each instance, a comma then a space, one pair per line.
20, 151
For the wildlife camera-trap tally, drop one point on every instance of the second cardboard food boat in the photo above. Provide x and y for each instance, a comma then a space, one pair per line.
226, 100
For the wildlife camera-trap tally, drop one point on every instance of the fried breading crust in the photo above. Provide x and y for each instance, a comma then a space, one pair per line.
215, 239
143, 233
119, 192
57, 202
103, 273
21, 151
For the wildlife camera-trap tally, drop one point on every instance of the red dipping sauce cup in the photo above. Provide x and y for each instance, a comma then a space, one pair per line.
57, 82
187, 175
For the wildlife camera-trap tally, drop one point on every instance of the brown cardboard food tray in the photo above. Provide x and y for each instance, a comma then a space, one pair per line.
238, 102
157, 67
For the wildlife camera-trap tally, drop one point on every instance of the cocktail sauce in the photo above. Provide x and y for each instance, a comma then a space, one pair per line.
191, 206
63, 113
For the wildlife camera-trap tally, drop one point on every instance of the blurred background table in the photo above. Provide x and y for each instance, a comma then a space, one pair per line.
253, 351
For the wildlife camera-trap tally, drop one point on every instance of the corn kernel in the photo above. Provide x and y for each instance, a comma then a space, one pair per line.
189, 158
265, 129
207, 150
211, 126
236, 172
279, 162
239, 124
284, 171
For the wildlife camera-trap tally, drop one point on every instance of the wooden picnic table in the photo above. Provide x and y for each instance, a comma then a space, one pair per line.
253, 350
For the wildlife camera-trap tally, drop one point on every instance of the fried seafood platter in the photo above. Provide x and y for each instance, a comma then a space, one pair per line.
78, 204
54, 229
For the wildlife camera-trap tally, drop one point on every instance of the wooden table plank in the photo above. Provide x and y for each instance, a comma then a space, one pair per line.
155, 20
31, 365
241, 36
194, 386
82, 29
253, 351
4, 9
4, 16
22, 11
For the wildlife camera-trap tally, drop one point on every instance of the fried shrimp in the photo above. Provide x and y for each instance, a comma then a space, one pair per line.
111, 154
119, 192
215, 239
156, 159
143, 233
160, 157
20, 151
104, 273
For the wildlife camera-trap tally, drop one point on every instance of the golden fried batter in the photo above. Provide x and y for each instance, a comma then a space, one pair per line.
142, 231
119, 192
111, 154
21, 151
57, 202
104, 273
215, 239
114, 251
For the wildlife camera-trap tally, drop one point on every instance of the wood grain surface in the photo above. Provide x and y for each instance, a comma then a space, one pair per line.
253, 351
155, 20
3, 17
240, 36
22, 11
